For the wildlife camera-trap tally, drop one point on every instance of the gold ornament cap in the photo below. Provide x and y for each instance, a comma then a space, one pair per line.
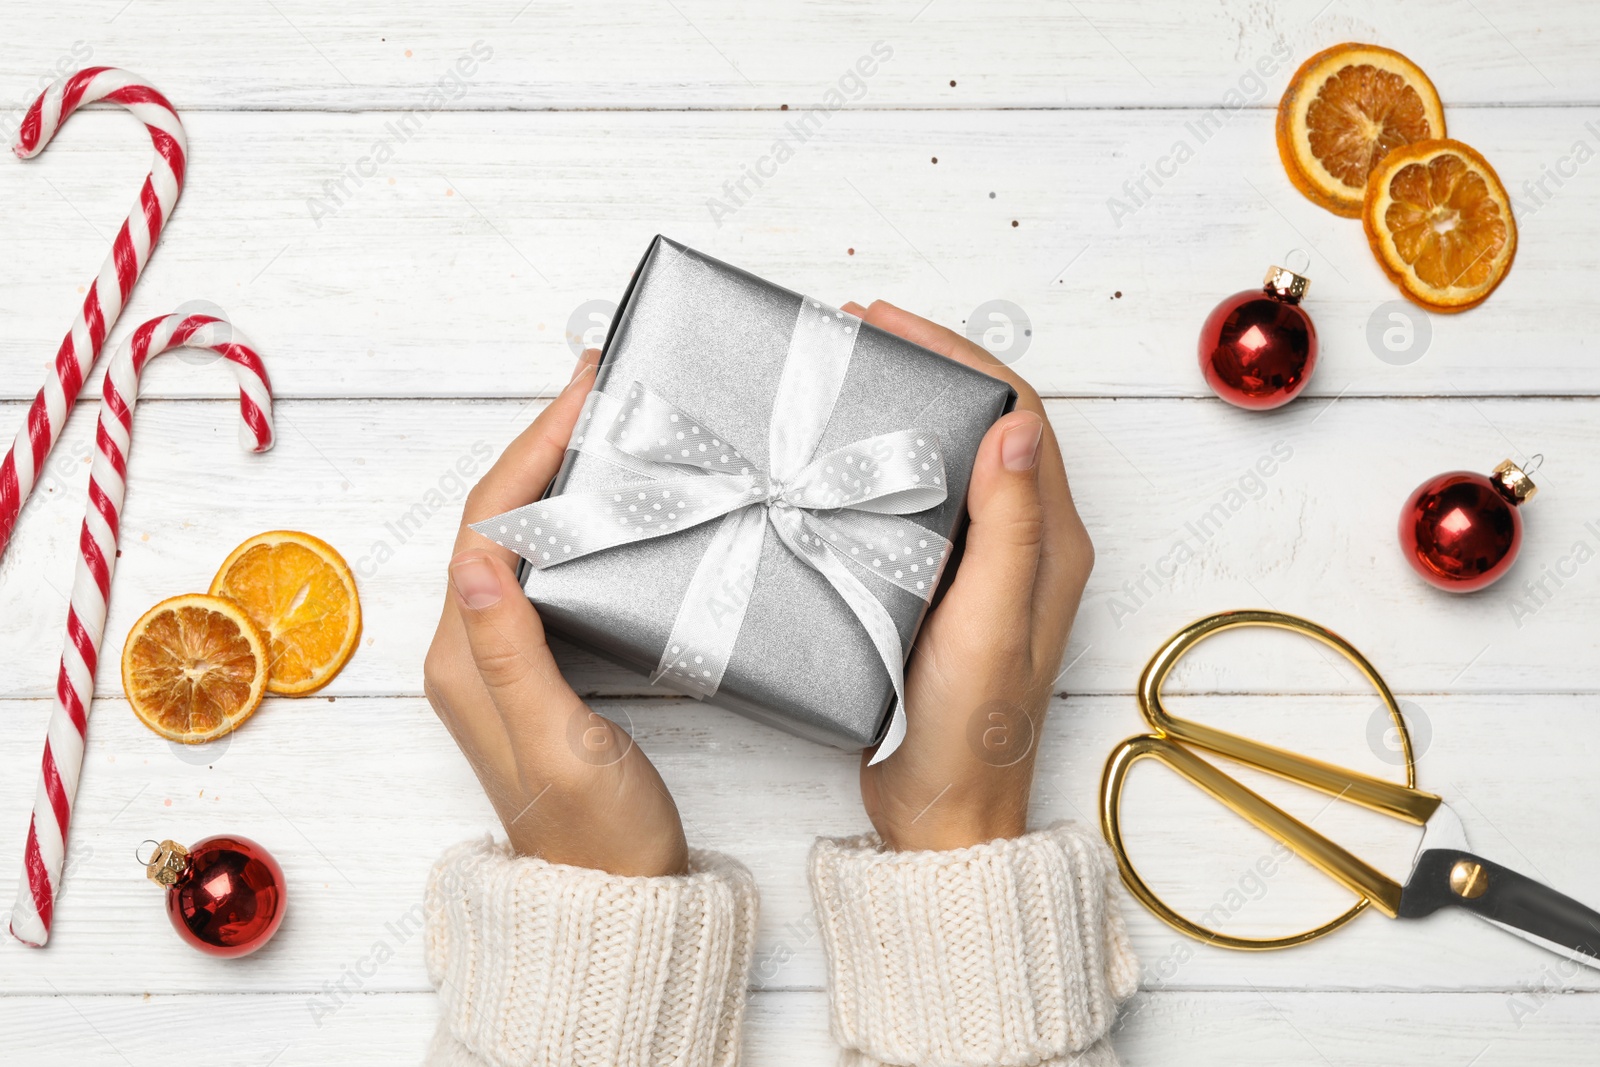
1514, 482
1285, 284
169, 863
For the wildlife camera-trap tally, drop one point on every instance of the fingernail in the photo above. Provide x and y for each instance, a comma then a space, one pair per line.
580, 373
475, 583
1019, 446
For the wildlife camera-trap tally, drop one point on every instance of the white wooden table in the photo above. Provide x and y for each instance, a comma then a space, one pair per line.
413, 307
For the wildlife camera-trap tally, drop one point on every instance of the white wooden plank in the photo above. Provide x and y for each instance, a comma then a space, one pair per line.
787, 1029
457, 266
790, 1029
1298, 512
1314, 535
1339, 1029
356, 798
726, 53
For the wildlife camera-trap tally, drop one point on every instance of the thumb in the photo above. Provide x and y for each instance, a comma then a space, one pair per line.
995, 578
511, 654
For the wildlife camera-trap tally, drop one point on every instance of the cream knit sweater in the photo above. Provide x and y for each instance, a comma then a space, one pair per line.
1008, 953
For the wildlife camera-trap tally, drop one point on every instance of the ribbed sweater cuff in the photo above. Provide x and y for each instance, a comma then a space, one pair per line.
541, 964
1007, 953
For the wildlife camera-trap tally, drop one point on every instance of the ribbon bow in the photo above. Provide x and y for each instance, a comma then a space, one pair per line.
838, 513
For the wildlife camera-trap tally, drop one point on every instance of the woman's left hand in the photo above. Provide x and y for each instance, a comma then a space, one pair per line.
986, 661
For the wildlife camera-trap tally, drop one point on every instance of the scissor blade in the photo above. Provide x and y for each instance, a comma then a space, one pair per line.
1442, 830
1514, 902
1574, 955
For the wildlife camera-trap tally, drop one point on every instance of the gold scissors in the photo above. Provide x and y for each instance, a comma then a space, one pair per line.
1444, 873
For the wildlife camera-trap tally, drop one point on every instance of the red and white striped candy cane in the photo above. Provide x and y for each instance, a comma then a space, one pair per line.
109, 291
91, 587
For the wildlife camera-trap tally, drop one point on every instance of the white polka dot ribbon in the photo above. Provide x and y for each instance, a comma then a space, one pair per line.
839, 513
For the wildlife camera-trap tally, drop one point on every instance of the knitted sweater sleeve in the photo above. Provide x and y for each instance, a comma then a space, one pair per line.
541, 964
1007, 953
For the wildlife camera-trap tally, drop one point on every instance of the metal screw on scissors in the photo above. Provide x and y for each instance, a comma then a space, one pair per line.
1444, 873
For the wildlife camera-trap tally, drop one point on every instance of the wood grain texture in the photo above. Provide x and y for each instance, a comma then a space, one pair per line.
1194, 507
357, 796
417, 212
299, 54
789, 1029
457, 265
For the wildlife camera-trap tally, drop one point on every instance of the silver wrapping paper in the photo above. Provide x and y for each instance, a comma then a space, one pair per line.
712, 339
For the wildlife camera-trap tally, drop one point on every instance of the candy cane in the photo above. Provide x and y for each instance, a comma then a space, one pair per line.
91, 587
108, 292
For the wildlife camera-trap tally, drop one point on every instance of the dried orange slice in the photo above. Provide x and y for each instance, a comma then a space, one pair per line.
194, 667
300, 592
1344, 110
1440, 224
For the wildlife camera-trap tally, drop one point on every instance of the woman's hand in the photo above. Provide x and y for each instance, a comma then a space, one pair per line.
569, 785
985, 663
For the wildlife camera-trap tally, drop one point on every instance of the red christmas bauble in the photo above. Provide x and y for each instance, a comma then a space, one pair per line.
1461, 530
1258, 347
225, 895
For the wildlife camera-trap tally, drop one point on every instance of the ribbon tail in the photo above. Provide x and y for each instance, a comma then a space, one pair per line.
899, 551
874, 618
713, 608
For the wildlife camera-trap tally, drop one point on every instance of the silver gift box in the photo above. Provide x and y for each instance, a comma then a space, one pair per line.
713, 339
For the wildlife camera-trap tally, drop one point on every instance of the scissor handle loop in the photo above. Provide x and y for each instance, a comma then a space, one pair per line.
1402, 801
1151, 746
1167, 657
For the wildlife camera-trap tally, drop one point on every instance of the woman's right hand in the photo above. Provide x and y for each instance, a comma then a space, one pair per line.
570, 786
